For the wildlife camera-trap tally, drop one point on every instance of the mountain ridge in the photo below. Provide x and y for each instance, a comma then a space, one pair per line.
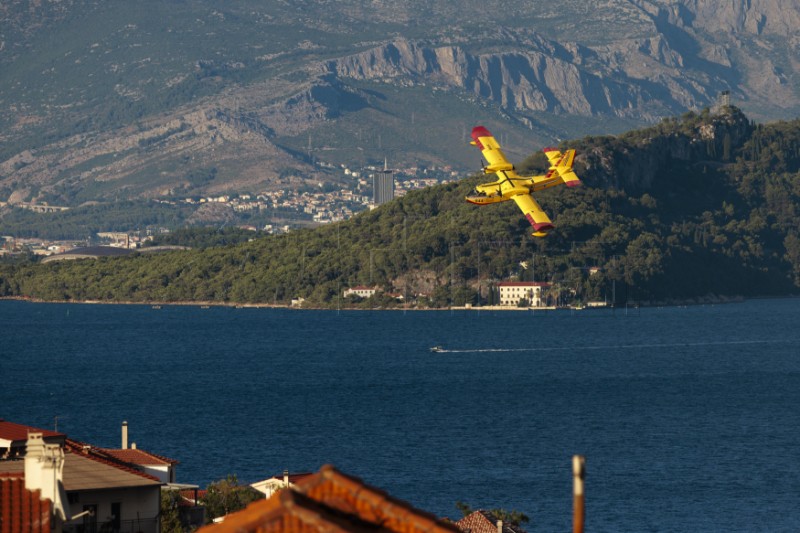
253, 93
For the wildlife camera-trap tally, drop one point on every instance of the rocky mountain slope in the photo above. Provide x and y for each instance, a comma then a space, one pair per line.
104, 100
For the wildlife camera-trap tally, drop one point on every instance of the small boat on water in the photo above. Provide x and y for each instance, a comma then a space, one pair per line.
436, 349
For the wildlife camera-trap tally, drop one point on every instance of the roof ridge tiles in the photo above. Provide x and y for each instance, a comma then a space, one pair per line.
97, 454
333, 502
385, 507
139, 450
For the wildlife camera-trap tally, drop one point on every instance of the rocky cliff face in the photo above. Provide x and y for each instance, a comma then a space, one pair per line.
753, 17
712, 140
568, 63
542, 75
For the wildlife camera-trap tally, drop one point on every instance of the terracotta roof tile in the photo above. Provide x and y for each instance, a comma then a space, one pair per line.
350, 494
294, 478
22, 510
290, 512
187, 498
482, 521
19, 432
138, 457
97, 455
331, 501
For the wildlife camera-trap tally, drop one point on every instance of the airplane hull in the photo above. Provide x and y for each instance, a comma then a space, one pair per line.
486, 200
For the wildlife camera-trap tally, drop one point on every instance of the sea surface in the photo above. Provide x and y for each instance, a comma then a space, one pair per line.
689, 417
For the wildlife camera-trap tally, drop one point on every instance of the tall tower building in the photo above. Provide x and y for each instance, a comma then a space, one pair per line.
382, 185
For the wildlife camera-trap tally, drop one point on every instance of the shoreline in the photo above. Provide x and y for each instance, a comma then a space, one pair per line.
208, 304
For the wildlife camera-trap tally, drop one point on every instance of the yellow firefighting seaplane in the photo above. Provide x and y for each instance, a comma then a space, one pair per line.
511, 186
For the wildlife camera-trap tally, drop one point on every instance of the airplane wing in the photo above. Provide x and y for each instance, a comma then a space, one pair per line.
533, 212
561, 165
490, 149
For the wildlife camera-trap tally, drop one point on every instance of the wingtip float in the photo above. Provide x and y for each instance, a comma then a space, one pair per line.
511, 186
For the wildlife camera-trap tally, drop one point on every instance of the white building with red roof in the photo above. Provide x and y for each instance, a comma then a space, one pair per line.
270, 486
13, 438
88, 488
157, 466
32, 496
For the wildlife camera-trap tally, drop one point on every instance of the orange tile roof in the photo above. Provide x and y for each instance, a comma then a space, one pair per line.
138, 457
79, 473
482, 521
187, 498
291, 512
293, 478
19, 432
22, 510
332, 501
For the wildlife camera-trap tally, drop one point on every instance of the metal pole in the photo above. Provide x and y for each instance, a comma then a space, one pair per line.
578, 504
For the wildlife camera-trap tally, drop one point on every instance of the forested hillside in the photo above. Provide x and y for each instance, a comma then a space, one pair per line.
700, 208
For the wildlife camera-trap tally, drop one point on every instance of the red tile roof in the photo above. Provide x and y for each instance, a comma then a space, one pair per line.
138, 457
22, 510
331, 501
482, 521
19, 432
188, 497
294, 478
291, 512
99, 455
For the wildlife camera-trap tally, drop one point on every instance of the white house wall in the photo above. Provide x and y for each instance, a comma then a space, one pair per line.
139, 505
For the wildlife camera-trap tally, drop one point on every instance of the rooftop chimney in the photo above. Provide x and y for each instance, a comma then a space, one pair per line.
285, 478
44, 471
499, 526
124, 434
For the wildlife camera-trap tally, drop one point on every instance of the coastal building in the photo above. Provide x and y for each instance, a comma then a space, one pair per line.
362, 291
161, 468
23, 509
88, 488
330, 500
32, 496
270, 486
512, 293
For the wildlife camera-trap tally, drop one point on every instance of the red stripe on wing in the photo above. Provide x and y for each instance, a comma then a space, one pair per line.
479, 131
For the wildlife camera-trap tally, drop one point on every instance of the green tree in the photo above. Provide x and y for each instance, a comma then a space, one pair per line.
227, 496
170, 515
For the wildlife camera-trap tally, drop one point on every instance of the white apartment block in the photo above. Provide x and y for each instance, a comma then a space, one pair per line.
511, 292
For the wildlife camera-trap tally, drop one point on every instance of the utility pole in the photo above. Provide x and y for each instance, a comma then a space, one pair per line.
578, 502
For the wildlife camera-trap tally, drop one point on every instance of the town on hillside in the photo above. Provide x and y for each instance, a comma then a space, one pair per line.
315, 204
50, 482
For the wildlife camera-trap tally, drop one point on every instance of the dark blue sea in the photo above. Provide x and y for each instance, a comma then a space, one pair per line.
689, 417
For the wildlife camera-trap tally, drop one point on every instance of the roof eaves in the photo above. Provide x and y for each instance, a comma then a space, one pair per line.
117, 452
350, 494
97, 454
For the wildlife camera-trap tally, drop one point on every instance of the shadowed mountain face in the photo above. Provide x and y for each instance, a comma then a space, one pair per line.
107, 99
